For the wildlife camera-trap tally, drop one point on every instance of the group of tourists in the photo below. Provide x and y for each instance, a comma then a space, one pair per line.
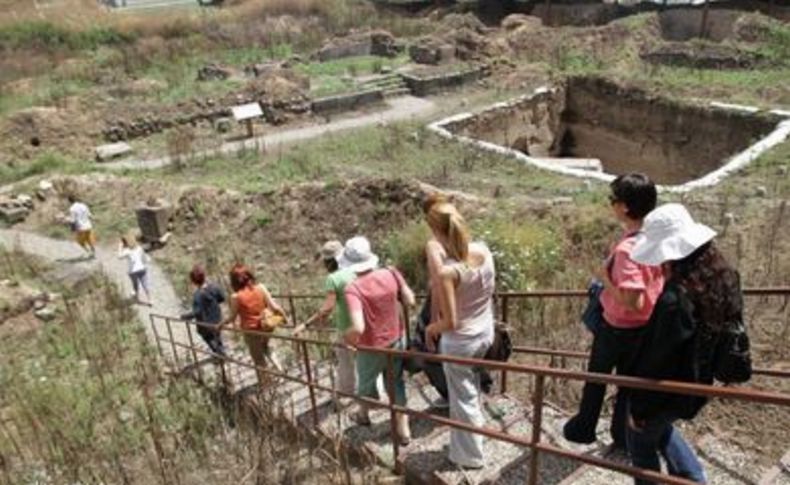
657, 307
664, 307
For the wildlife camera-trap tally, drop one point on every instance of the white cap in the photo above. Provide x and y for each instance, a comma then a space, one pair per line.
669, 234
357, 255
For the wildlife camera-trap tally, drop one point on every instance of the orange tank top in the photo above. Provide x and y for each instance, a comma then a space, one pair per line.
250, 303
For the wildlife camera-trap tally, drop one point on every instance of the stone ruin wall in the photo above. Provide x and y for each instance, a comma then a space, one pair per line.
628, 129
529, 124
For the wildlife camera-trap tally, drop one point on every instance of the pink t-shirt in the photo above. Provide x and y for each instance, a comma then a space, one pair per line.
626, 274
376, 294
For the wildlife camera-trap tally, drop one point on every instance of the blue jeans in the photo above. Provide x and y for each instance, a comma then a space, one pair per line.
659, 436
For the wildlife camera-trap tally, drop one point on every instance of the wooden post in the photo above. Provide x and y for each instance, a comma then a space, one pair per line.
503, 373
310, 383
537, 422
250, 131
390, 381
548, 13
703, 28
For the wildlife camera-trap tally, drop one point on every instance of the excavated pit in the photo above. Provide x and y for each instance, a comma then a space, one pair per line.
593, 125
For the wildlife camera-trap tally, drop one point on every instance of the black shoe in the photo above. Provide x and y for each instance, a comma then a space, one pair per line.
575, 431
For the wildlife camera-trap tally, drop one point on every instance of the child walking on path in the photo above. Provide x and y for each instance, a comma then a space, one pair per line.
135, 255
81, 222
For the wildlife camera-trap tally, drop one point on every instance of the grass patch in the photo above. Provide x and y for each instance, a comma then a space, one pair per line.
45, 35
44, 164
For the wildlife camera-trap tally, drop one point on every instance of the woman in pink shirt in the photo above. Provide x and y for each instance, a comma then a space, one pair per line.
629, 295
372, 300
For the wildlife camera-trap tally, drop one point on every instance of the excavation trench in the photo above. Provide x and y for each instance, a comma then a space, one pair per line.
594, 126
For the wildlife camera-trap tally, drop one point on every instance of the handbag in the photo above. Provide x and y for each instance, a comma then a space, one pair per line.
592, 316
502, 346
732, 358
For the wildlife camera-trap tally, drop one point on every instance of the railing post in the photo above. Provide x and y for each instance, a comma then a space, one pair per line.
310, 383
156, 334
537, 422
172, 342
194, 352
391, 394
503, 373
292, 308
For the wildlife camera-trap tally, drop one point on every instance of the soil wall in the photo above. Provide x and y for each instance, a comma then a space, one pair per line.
681, 24
630, 130
528, 124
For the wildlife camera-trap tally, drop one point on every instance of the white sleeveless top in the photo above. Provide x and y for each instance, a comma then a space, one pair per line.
474, 296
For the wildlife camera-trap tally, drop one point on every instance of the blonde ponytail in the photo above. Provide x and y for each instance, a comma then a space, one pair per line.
447, 223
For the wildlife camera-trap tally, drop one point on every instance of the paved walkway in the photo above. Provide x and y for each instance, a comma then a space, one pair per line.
402, 108
165, 300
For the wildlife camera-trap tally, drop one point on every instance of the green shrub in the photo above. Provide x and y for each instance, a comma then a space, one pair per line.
48, 36
527, 256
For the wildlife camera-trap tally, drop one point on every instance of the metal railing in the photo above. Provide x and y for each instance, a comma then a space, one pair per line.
537, 372
505, 300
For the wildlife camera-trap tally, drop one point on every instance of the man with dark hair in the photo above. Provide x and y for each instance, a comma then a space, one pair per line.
630, 291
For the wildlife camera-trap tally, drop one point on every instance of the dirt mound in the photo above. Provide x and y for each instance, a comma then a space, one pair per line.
455, 21
702, 56
285, 228
753, 27
33, 132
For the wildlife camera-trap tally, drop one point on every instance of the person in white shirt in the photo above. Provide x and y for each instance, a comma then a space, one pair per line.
81, 221
135, 255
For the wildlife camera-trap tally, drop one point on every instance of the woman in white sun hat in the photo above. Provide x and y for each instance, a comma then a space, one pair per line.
372, 300
701, 290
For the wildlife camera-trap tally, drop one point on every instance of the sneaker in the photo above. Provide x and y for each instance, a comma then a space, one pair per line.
574, 431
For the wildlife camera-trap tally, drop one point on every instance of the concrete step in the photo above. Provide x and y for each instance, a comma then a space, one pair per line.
394, 93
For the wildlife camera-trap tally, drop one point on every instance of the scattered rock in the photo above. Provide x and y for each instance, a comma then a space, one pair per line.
223, 125
431, 51
518, 20
45, 314
112, 150
213, 72
761, 191
45, 185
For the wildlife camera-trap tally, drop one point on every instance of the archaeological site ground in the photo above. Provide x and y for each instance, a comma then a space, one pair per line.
256, 130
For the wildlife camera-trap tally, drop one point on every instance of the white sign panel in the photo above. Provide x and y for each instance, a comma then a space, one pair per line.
247, 111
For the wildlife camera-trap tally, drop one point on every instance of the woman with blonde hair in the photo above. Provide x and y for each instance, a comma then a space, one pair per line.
250, 303
135, 255
466, 324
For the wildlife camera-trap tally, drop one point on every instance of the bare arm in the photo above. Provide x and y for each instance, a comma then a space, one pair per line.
434, 253
232, 313
449, 310
326, 309
270, 303
357, 327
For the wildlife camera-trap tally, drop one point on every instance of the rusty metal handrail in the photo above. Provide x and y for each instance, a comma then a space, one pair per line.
558, 293
539, 372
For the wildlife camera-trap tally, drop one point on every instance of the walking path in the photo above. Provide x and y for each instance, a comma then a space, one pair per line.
402, 108
166, 302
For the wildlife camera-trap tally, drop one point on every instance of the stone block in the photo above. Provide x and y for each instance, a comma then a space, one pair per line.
112, 150
153, 219
223, 125
13, 214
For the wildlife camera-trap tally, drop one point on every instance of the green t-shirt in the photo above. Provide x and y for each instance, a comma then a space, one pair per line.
337, 282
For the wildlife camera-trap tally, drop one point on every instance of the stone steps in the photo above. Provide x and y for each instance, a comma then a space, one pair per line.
424, 459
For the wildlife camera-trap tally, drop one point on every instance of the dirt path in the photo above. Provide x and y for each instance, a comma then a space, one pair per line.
402, 108
165, 300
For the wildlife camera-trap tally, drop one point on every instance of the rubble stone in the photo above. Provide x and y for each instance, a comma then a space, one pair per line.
213, 72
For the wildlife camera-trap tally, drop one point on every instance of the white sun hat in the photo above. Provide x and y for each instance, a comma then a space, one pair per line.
357, 255
669, 234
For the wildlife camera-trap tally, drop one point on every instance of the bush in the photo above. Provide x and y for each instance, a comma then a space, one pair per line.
48, 36
526, 255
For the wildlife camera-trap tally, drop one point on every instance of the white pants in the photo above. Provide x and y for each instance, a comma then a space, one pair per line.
463, 384
346, 371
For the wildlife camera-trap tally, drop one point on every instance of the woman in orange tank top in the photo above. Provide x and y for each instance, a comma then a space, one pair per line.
249, 303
